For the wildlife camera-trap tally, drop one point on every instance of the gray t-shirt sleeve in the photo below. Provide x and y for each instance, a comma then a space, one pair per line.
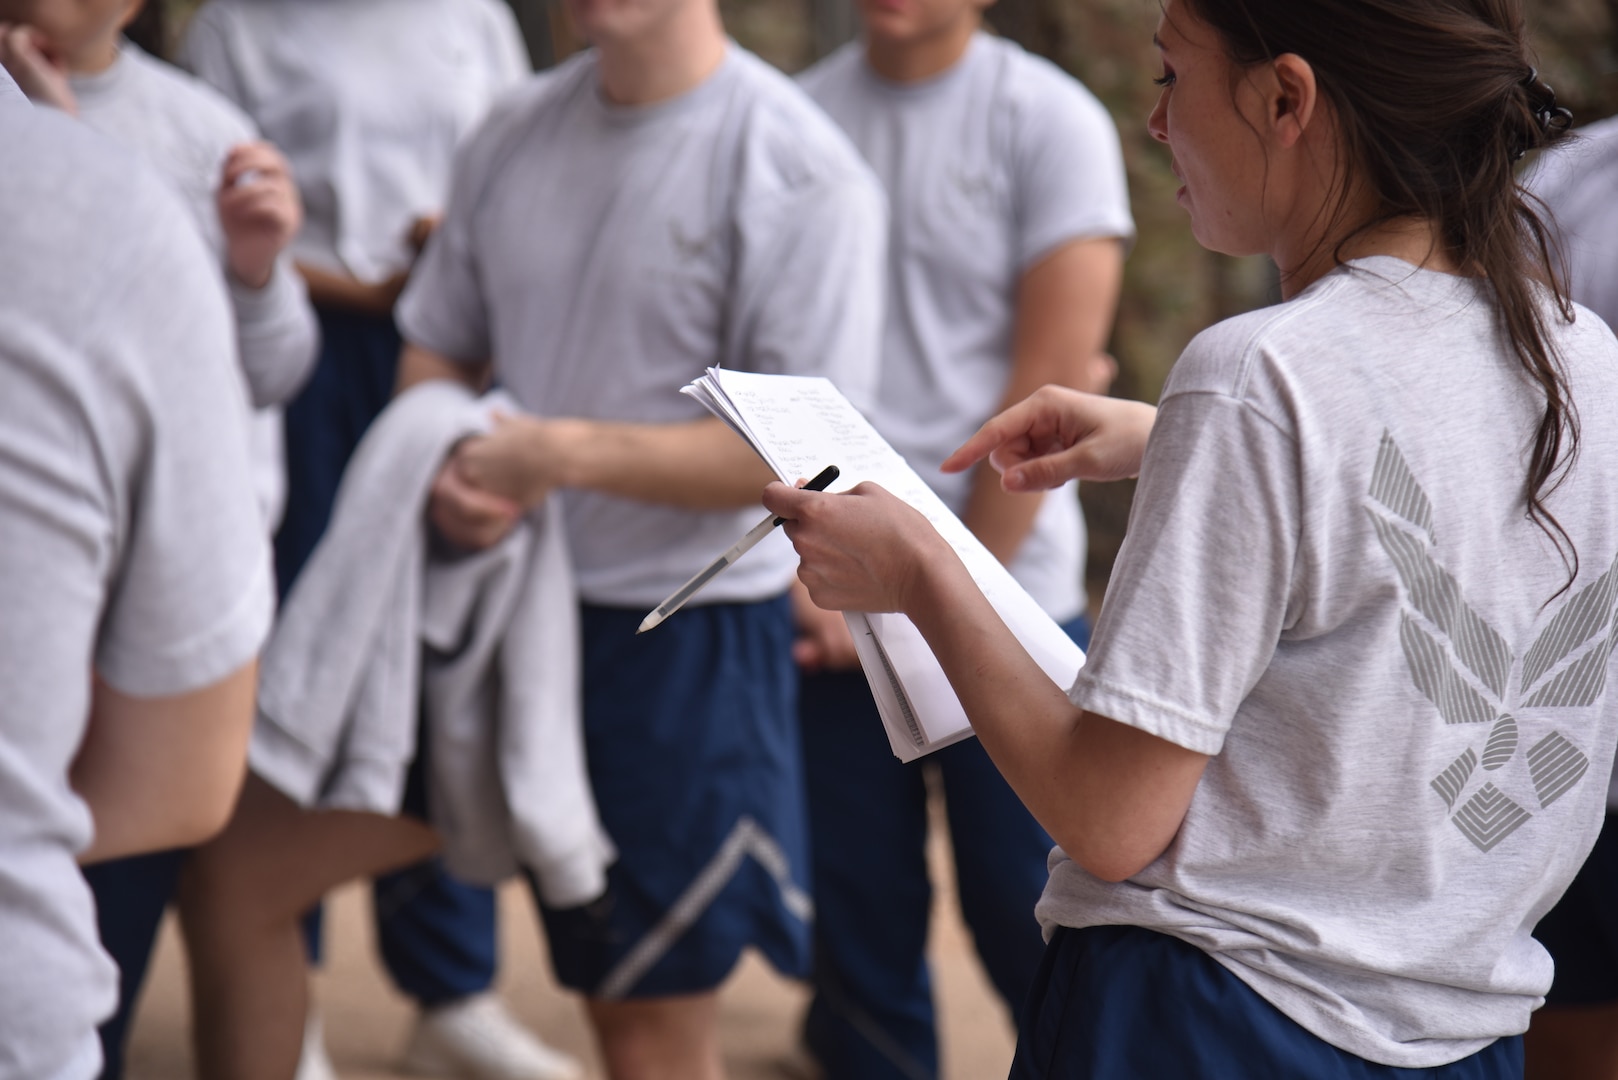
276, 334
192, 596
1070, 173
811, 274
443, 307
205, 52
1199, 596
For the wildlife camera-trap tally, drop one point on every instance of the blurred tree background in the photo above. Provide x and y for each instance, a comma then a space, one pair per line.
1172, 287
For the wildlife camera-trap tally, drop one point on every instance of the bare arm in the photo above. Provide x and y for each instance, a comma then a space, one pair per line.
1112, 796
163, 772
417, 365
696, 465
1065, 306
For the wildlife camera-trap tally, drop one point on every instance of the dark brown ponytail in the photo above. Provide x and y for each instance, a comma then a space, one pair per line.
1437, 102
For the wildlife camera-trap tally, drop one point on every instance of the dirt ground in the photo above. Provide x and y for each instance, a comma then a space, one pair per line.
367, 1021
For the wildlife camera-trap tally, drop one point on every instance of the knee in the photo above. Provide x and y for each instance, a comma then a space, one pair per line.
659, 1039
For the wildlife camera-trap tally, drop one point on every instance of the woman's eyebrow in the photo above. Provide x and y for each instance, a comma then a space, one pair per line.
1159, 43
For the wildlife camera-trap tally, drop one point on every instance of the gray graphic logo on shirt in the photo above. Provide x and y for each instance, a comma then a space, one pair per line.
1464, 666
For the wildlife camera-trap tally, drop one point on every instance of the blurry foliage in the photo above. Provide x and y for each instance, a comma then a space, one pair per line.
1172, 287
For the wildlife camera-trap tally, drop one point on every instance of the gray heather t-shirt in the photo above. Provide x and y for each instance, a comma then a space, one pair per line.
1329, 582
368, 99
185, 129
603, 256
129, 542
989, 168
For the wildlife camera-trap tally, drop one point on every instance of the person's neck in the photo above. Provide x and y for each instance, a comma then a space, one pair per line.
922, 58
1411, 240
678, 57
94, 58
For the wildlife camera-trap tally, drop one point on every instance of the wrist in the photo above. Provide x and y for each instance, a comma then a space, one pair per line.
561, 446
251, 275
935, 574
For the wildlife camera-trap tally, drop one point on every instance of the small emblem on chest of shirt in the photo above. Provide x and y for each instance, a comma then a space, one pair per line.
1464, 666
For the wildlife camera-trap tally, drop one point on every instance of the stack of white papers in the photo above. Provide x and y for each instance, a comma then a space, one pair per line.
799, 425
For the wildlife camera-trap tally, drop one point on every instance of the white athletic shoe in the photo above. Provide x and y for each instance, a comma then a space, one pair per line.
313, 1062
477, 1039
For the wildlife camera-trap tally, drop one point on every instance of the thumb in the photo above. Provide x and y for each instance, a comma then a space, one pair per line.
785, 501
1038, 474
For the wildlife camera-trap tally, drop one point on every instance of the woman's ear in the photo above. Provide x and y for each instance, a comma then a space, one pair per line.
1295, 98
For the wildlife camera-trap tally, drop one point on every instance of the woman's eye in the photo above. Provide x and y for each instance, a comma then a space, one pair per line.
1165, 79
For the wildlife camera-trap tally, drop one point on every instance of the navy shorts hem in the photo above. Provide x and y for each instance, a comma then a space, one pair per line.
692, 744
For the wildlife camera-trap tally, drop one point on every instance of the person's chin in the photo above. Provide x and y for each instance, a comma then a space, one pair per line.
887, 20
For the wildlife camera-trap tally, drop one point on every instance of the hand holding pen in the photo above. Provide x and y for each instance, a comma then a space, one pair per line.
736, 551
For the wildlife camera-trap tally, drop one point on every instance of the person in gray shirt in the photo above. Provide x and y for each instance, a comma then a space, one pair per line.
1576, 1034
1009, 222
660, 204
134, 570
1343, 733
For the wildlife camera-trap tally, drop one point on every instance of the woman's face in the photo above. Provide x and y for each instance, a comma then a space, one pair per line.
1209, 115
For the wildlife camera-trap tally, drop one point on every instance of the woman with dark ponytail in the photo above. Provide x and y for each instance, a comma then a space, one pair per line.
1342, 735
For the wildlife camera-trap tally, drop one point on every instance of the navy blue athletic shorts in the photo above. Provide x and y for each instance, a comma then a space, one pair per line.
1581, 931
1117, 1002
692, 743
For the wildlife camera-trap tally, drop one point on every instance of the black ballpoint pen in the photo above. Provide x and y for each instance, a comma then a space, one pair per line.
737, 550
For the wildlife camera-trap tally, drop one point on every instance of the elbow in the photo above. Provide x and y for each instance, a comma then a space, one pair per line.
207, 809
1110, 859
276, 379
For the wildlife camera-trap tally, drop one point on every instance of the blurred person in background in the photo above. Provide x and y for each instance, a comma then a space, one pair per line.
1575, 1035
1009, 220
370, 99
656, 205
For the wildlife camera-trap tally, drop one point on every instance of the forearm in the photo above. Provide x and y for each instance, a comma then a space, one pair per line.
1002, 520
334, 290
418, 365
276, 336
699, 465
1065, 304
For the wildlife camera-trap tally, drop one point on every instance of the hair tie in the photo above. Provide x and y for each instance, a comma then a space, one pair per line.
1551, 118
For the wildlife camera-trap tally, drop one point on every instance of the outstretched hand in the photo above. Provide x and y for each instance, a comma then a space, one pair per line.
1056, 435
862, 550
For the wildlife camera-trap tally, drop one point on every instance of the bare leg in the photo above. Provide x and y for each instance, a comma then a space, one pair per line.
1566, 1043
671, 1038
240, 900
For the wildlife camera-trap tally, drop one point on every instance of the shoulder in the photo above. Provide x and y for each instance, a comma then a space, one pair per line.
1043, 100
491, 13
201, 111
833, 71
788, 141
1588, 342
1247, 355
218, 21
1581, 160
520, 110
79, 184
